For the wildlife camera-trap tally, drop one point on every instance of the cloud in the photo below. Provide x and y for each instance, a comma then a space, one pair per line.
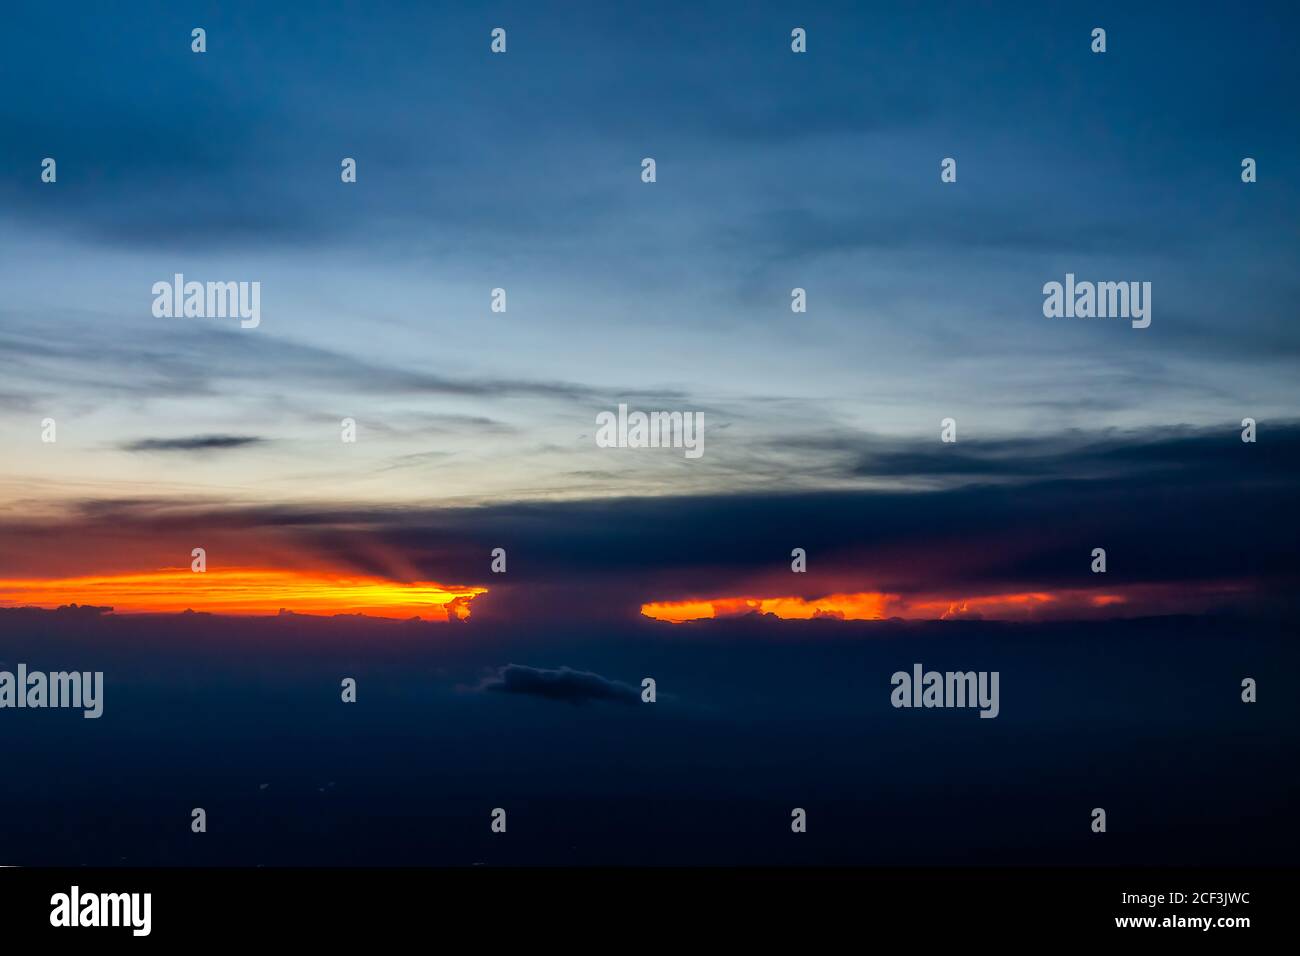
193, 443
564, 683
1186, 507
77, 352
1077, 454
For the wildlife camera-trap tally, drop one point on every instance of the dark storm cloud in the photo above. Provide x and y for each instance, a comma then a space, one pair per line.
194, 443
564, 684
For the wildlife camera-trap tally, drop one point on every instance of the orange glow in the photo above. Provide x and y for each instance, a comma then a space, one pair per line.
863, 606
876, 605
246, 591
996, 605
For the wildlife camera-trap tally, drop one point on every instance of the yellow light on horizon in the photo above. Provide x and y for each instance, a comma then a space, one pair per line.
246, 591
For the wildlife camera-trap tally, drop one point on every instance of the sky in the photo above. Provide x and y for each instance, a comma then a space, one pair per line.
232, 559
522, 171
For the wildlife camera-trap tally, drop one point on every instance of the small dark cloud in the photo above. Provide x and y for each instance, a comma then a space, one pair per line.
564, 683
193, 443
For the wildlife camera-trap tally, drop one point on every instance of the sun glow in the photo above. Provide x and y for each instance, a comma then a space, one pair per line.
863, 606
877, 605
246, 591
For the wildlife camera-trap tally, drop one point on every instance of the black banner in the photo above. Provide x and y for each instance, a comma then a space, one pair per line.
588, 907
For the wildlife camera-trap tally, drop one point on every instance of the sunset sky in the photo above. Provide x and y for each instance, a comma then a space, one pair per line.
522, 172
263, 657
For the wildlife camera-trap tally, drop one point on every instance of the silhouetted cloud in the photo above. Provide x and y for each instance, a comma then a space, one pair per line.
564, 683
1076, 454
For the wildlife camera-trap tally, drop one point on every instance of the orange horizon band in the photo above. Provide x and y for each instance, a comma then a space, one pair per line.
246, 591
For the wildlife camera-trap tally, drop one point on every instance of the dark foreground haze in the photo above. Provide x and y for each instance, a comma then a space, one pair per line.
754, 717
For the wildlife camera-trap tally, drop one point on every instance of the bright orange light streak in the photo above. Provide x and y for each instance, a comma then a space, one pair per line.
863, 606
1011, 605
876, 605
246, 591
